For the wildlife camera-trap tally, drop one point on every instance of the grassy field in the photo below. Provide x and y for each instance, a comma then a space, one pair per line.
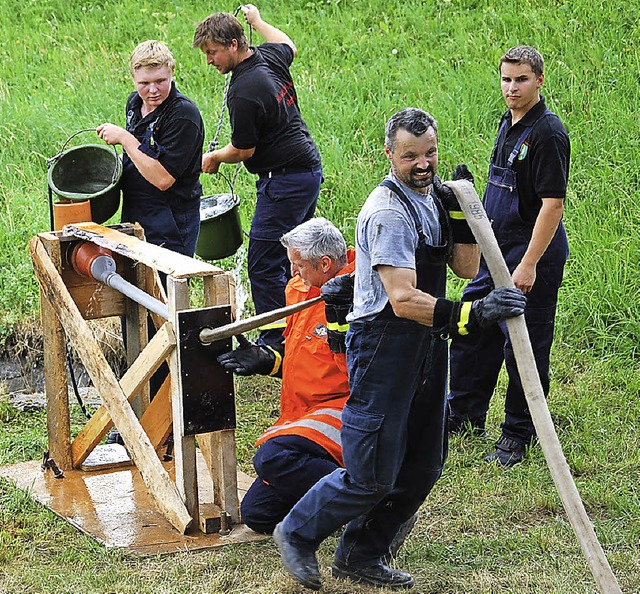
63, 68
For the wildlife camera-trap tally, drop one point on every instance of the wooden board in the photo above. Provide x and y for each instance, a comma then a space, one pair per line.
167, 261
114, 507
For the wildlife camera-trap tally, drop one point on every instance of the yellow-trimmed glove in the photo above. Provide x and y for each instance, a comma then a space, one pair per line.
460, 229
338, 300
459, 318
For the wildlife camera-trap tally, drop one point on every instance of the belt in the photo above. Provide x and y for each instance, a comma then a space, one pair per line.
285, 171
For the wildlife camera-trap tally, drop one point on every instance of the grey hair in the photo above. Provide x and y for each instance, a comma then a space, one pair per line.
413, 120
316, 238
524, 54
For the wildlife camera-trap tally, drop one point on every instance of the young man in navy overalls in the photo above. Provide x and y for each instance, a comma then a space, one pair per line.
524, 200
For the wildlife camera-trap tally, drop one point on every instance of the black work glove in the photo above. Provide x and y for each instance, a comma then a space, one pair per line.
460, 318
338, 299
502, 302
460, 230
251, 359
462, 172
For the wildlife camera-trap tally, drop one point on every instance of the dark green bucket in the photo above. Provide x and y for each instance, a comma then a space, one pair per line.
220, 227
88, 172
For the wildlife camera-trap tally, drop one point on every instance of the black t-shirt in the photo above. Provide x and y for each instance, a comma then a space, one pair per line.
173, 133
542, 166
264, 112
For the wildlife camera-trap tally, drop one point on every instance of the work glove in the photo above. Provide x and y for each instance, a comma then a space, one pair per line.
462, 172
459, 318
460, 230
338, 300
251, 359
502, 302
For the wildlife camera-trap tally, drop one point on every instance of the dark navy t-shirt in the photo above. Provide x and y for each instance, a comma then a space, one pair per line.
264, 112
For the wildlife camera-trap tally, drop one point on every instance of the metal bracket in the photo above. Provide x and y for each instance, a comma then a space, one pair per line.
49, 464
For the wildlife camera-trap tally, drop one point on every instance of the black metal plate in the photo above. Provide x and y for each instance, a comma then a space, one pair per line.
207, 388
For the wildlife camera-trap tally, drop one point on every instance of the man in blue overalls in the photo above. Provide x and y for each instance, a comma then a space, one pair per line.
162, 161
393, 434
162, 157
524, 200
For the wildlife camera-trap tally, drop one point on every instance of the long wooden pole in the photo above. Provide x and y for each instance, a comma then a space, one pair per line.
549, 442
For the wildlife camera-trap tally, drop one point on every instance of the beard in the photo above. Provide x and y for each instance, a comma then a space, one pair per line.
415, 180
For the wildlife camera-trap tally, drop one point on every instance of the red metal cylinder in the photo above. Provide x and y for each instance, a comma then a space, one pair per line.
83, 255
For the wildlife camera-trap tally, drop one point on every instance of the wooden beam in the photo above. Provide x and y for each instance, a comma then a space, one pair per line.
167, 261
184, 446
55, 371
158, 482
157, 419
219, 448
149, 360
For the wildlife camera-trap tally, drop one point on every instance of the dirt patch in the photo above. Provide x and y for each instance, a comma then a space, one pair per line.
22, 356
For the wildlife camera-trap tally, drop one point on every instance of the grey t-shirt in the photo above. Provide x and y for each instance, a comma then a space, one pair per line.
386, 234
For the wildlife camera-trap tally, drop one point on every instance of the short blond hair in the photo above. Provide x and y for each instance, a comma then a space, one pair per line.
151, 54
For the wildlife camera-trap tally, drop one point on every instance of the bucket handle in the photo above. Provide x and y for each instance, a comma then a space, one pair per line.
53, 159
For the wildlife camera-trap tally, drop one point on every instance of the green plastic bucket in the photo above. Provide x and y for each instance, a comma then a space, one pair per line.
88, 172
220, 227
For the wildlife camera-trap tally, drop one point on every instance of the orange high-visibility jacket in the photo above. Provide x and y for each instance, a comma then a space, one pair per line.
315, 384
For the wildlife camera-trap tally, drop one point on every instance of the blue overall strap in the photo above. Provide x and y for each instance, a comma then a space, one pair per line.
387, 183
521, 140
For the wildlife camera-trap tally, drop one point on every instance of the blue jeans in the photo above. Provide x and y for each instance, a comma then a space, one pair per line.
393, 441
283, 202
287, 467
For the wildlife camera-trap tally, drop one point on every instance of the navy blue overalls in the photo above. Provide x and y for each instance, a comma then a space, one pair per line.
393, 428
476, 359
168, 219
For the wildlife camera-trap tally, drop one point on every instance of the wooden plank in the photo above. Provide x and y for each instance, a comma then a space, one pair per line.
219, 448
158, 482
137, 375
136, 327
184, 451
157, 419
167, 261
55, 372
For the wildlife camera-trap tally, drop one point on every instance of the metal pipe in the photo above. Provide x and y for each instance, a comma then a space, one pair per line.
103, 269
94, 261
209, 335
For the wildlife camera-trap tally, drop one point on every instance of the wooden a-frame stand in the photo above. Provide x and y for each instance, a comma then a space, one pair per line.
67, 302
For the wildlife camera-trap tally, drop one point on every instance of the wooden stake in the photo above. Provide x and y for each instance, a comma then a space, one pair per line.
549, 442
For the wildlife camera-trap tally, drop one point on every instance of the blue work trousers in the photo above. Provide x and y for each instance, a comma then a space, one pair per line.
283, 202
287, 467
393, 441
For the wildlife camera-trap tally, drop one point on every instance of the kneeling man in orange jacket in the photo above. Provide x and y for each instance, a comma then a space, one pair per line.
304, 443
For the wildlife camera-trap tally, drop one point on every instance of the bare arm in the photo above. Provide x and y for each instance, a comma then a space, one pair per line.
151, 169
227, 154
465, 259
406, 300
549, 217
268, 32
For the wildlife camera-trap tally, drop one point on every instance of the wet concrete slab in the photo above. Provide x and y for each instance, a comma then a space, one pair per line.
113, 506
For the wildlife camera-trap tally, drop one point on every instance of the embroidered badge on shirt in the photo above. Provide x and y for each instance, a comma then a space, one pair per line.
524, 149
